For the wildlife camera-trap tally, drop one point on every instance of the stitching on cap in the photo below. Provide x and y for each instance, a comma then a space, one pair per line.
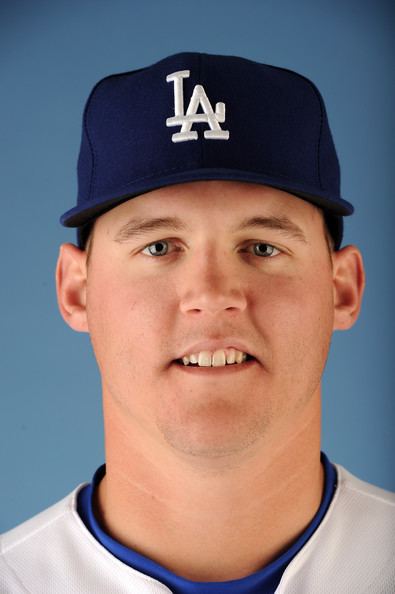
200, 68
319, 138
87, 108
318, 96
93, 155
90, 144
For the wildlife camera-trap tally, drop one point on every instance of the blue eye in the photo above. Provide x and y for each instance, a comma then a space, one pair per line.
160, 249
152, 247
267, 251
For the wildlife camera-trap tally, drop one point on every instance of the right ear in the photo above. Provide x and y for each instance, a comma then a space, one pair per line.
71, 277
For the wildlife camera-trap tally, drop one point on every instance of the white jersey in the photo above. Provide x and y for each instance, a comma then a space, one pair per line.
352, 551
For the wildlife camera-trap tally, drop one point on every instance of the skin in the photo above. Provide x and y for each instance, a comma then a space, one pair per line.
213, 475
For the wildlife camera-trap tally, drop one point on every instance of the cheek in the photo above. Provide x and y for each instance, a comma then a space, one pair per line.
126, 317
296, 319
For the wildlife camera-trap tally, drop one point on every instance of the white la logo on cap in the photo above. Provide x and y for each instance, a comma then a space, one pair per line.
199, 97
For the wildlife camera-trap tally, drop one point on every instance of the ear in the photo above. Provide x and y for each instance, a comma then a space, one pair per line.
71, 276
348, 286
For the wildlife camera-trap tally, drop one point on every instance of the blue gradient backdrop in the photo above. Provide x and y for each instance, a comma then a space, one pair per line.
51, 54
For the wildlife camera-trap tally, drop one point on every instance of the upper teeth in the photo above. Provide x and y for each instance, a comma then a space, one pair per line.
219, 358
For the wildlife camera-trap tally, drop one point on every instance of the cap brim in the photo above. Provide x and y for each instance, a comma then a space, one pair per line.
81, 215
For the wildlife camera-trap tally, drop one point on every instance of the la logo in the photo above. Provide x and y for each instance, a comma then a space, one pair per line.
199, 97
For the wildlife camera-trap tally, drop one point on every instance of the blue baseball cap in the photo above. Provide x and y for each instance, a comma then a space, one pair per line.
196, 116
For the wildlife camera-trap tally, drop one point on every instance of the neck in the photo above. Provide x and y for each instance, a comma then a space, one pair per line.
210, 520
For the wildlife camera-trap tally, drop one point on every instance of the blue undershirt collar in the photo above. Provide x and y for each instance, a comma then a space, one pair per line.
264, 581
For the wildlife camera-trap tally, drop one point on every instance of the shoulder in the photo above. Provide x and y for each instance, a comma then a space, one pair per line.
364, 503
54, 551
361, 519
38, 524
20, 544
352, 550
353, 484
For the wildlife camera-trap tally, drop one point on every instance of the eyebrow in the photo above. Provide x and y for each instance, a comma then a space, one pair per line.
282, 224
138, 227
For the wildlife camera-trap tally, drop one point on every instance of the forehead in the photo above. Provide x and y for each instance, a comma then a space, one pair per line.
217, 202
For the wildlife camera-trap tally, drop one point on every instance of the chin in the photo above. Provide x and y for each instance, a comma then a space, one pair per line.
215, 435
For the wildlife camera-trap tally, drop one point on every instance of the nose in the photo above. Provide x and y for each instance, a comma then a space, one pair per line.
212, 286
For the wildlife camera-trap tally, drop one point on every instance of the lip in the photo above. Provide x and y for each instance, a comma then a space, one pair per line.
215, 345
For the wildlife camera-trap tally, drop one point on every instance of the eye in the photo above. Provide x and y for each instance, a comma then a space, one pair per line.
156, 247
265, 250
160, 249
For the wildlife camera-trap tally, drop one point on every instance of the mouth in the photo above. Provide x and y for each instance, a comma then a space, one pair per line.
180, 362
194, 368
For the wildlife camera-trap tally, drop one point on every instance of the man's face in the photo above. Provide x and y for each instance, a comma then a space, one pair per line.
211, 281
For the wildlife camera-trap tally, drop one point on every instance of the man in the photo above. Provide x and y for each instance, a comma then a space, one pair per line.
210, 277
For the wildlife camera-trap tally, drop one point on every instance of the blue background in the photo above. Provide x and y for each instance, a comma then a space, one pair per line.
51, 54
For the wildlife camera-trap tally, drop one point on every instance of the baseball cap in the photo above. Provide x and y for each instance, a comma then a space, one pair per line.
197, 116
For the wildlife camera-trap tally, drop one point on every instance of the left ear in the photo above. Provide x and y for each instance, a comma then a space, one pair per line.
348, 286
